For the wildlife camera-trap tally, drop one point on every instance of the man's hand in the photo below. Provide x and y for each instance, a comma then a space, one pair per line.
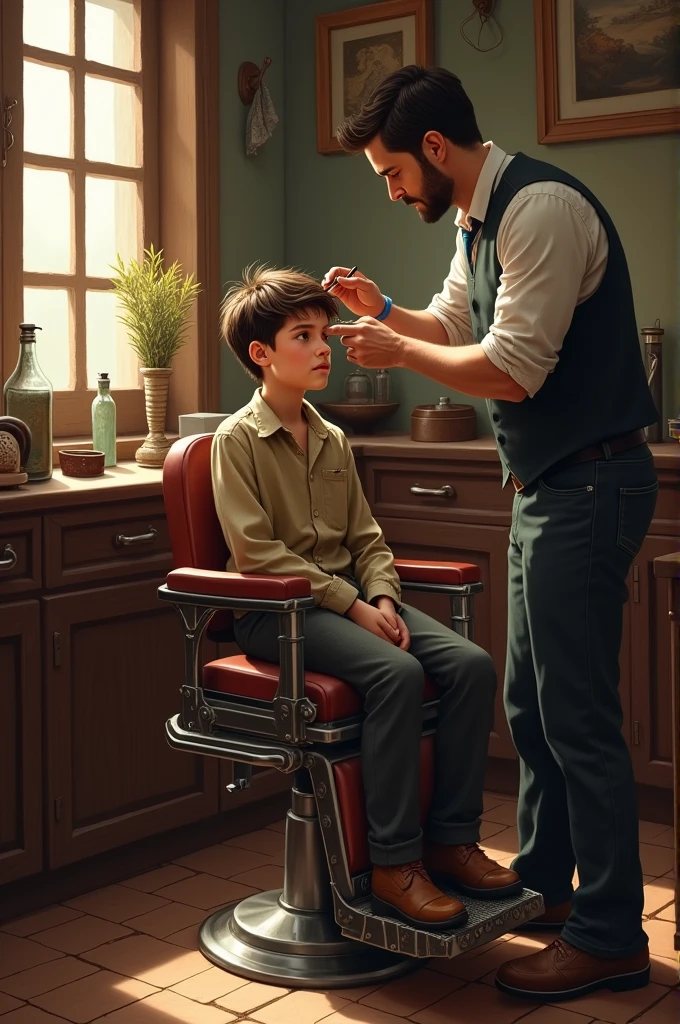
386, 606
374, 620
370, 343
359, 294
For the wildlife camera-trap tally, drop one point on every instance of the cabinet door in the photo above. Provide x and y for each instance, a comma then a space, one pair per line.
20, 741
114, 664
651, 677
487, 547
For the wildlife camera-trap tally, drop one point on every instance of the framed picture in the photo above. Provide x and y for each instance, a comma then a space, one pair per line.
607, 68
356, 49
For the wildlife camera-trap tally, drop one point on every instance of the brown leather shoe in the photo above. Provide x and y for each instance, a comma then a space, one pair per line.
554, 918
470, 870
561, 971
406, 891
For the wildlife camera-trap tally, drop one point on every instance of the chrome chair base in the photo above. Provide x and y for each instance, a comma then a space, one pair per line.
264, 940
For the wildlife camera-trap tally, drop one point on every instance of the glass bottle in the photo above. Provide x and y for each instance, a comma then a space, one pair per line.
358, 387
104, 421
28, 396
382, 387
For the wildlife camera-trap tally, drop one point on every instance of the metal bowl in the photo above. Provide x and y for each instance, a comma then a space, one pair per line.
360, 416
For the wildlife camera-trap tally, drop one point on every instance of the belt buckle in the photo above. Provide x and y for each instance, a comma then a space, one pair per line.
519, 487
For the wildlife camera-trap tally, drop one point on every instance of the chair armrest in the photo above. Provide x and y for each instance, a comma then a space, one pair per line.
447, 573
209, 583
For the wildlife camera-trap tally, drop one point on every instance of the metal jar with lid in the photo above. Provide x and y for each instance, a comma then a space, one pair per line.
443, 422
653, 355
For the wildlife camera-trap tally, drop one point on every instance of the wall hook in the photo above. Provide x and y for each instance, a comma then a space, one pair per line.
249, 78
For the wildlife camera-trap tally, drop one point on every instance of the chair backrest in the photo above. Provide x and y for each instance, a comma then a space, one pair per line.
196, 536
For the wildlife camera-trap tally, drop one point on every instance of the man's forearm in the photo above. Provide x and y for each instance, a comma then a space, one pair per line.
417, 324
464, 368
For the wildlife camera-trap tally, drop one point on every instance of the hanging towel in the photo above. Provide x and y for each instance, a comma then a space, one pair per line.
262, 119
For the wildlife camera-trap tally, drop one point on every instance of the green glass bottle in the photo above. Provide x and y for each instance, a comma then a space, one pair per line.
28, 396
104, 421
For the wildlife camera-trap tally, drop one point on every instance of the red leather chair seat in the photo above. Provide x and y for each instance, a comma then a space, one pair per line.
350, 789
250, 677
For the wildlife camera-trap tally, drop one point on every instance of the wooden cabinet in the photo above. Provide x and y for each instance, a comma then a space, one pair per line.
465, 515
113, 668
649, 656
20, 741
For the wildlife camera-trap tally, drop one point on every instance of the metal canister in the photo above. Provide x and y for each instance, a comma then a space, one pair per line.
654, 364
443, 422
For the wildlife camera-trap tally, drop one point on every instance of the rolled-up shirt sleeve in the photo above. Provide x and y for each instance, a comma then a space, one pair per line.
545, 249
450, 305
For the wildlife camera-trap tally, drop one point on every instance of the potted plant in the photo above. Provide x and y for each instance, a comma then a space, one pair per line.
156, 306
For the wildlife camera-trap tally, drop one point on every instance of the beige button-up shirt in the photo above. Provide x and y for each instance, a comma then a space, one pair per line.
284, 512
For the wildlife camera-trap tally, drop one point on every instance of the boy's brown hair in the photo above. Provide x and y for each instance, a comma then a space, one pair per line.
256, 308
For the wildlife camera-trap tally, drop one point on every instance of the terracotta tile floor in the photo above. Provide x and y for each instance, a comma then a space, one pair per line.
127, 954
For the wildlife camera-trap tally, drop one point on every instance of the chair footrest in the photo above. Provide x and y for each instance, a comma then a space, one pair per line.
487, 920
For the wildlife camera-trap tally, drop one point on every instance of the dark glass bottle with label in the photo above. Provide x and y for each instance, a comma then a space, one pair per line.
28, 396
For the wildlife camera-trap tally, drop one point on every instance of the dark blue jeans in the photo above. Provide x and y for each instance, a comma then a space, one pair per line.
573, 538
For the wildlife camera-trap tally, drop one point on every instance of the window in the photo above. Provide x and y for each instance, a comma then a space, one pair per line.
80, 185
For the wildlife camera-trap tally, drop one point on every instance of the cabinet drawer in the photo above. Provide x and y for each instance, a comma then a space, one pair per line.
457, 491
20, 563
106, 542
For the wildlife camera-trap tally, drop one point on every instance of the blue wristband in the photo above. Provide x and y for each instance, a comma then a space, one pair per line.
386, 308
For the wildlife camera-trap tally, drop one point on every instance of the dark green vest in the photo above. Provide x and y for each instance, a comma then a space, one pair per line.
598, 388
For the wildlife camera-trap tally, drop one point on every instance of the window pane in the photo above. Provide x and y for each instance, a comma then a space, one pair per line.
108, 349
110, 122
110, 32
47, 23
47, 221
47, 110
111, 224
50, 309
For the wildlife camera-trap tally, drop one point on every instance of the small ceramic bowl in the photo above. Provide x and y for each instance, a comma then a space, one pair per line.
81, 462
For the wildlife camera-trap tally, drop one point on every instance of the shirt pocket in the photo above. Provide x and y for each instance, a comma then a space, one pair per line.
335, 498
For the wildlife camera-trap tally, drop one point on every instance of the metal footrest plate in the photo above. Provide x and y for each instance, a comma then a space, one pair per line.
487, 920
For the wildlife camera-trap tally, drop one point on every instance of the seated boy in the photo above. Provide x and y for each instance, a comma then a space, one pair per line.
290, 502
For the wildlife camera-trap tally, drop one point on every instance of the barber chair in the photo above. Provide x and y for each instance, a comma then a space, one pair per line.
318, 931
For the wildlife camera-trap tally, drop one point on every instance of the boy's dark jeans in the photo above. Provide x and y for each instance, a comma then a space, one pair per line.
391, 682
573, 538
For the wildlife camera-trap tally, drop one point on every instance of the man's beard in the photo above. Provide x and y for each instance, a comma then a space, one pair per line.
437, 193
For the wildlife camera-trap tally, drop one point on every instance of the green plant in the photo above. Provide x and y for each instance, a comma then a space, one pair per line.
156, 305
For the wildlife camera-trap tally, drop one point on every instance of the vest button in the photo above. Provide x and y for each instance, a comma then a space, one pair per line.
496, 418
501, 439
475, 306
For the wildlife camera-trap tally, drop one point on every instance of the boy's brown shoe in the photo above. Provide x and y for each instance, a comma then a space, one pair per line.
470, 870
406, 891
561, 971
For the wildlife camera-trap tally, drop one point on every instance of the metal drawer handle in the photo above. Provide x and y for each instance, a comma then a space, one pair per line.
446, 491
10, 559
121, 541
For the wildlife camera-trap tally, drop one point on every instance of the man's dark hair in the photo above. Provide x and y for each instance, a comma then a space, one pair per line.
407, 104
257, 307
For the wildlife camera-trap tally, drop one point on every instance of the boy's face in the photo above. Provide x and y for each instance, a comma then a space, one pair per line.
302, 357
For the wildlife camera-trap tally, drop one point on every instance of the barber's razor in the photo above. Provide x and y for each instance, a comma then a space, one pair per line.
335, 280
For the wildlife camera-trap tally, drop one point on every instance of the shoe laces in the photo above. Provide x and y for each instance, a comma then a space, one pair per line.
415, 869
562, 952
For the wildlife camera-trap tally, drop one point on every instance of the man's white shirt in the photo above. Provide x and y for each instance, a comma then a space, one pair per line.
553, 249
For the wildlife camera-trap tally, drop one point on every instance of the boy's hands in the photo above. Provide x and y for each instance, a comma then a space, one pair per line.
381, 620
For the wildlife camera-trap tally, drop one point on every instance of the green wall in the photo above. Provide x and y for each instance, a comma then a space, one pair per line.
323, 210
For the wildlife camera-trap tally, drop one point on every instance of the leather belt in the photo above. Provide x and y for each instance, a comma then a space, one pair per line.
596, 451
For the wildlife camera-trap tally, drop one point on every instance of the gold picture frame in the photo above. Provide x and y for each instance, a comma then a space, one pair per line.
593, 62
358, 47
